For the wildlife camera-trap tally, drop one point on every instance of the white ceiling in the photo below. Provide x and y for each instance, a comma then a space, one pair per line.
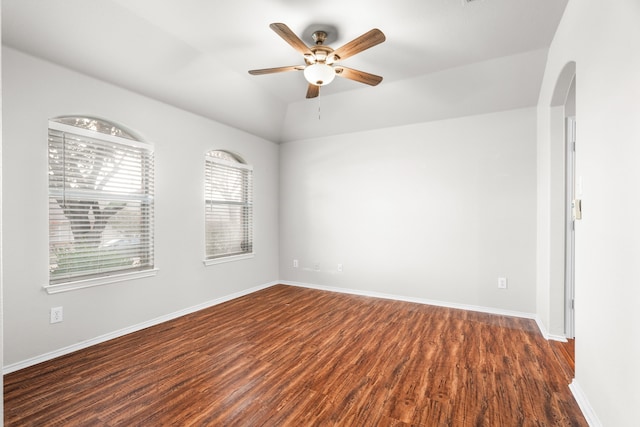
195, 54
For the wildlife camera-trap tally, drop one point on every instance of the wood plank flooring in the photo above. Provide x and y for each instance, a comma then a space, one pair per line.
289, 356
565, 353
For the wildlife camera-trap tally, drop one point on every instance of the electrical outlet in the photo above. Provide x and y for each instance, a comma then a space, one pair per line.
316, 266
295, 263
56, 315
502, 283
339, 268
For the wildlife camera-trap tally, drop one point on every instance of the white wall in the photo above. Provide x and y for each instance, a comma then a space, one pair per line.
435, 211
35, 91
603, 38
498, 84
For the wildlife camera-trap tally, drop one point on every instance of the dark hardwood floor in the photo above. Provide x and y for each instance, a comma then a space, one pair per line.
565, 353
288, 356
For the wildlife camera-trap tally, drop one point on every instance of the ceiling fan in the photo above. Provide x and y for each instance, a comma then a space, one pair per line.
320, 61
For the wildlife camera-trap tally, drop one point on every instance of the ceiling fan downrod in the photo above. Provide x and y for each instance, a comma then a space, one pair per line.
319, 37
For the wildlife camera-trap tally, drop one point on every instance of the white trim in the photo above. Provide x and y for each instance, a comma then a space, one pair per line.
115, 334
236, 165
98, 281
576, 390
481, 309
171, 316
583, 403
224, 259
545, 332
570, 225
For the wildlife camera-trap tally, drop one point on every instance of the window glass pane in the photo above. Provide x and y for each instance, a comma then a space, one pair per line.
228, 206
95, 125
100, 206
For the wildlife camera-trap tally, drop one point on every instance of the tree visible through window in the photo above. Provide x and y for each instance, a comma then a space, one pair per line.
100, 200
229, 206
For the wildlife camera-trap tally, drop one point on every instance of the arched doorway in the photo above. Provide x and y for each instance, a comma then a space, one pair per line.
563, 200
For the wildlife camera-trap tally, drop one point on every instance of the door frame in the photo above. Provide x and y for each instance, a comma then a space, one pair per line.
570, 221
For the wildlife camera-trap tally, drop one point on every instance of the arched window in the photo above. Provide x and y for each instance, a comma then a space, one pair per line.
228, 207
100, 204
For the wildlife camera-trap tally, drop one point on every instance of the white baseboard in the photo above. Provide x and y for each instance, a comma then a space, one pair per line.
468, 307
97, 340
111, 335
545, 332
585, 406
578, 394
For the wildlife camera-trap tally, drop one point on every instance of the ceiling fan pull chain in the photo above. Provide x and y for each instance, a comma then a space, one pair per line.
319, 111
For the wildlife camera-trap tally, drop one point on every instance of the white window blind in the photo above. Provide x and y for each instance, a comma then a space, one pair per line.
228, 206
100, 204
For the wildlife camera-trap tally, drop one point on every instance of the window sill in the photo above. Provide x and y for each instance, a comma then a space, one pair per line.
222, 260
99, 281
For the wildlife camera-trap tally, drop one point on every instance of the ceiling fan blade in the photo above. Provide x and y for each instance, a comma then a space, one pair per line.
357, 75
290, 37
357, 45
313, 91
276, 70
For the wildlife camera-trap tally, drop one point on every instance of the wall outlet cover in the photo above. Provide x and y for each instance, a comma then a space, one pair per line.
55, 315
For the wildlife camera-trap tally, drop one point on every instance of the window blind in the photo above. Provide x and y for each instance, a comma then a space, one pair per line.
228, 208
100, 204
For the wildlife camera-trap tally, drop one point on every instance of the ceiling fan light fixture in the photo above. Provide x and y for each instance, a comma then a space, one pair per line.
319, 74
319, 59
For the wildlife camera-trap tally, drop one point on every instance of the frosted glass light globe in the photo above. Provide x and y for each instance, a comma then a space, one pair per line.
319, 74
